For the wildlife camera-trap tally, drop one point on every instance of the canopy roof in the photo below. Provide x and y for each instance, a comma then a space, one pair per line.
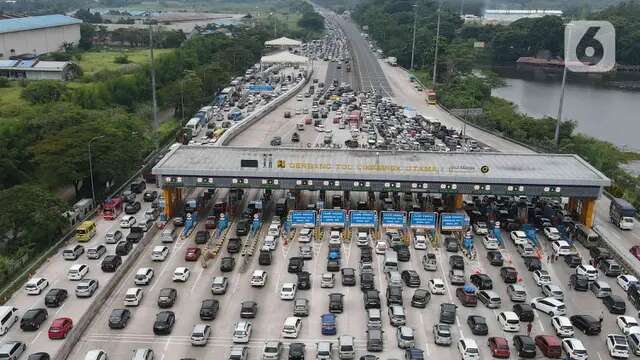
283, 41
284, 57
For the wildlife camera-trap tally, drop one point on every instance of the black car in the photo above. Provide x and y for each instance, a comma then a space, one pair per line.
420, 298
456, 262
524, 312
532, 263
615, 304
135, 235
164, 323
333, 265
149, 196
367, 281
403, 253
296, 351
451, 244
227, 264
33, 318
509, 274
248, 309
167, 297
335, 302
296, 264
478, 325
371, 299
448, 313
573, 260
110, 263
55, 297
482, 281
586, 323
123, 248
131, 209
410, 278
202, 237
495, 258
138, 186
304, 280
119, 318
209, 309
242, 227
39, 356
579, 282
233, 246
525, 346
348, 277
394, 294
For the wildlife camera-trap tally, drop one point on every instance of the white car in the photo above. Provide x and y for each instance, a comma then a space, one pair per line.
420, 242
363, 239
549, 306
509, 321
242, 332
436, 286
159, 253
490, 242
77, 271
541, 277
127, 221
625, 281
551, 233
181, 274
553, 291
328, 280
574, 349
259, 278
288, 291
274, 230
143, 276
562, 326
270, 242
335, 238
519, 237
628, 324
381, 247
468, 349
618, 346
561, 248
35, 285
480, 228
587, 270
305, 235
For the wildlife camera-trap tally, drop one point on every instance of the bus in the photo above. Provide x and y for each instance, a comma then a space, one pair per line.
194, 125
85, 231
112, 207
431, 97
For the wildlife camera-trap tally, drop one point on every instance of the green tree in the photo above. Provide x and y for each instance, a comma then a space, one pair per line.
87, 34
44, 91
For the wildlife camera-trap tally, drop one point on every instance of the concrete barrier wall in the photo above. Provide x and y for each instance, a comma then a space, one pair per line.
104, 293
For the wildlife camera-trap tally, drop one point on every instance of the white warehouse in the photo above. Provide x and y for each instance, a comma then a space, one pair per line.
37, 35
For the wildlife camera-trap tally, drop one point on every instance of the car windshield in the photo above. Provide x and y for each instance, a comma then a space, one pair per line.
472, 350
271, 349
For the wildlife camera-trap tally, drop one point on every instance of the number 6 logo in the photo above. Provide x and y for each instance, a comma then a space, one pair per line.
590, 46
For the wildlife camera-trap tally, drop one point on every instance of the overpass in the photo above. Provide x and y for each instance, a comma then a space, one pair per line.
455, 174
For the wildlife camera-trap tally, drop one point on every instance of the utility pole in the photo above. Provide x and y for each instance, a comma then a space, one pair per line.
435, 57
556, 139
413, 45
93, 191
153, 89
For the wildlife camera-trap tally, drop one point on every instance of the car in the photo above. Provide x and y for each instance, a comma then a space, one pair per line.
55, 297
234, 245
524, 311
164, 322
32, 319
143, 276
579, 282
635, 251
335, 302
77, 272
300, 307
489, 298
524, 346
127, 221
272, 350
549, 305
509, 321
219, 285
562, 326
624, 281
480, 228
420, 242
410, 278
209, 309
457, 277
248, 309
73, 253
181, 274
541, 277
86, 288
456, 262
509, 274
295, 265
305, 235
167, 297
499, 347
159, 253
442, 334
448, 313
573, 260
451, 244
242, 332
561, 248
119, 318
227, 264
132, 208
436, 286
551, 233
586, 323
403, 252
478, 325
113, 236
532, 263
628, 324
618, 346
35, 285
589, 271
420, 298
367, 280
328, 324
615, 304
490, 242
149, 196
495, 257
327, 280
574, 349
348, 276
39, 356
305, 252
60, 328
96, 252
288, 291
481, 281
405, 337
296, 351
553, 291
258, 278
12, 350
468, 349
192, 254
519, 237
381, 247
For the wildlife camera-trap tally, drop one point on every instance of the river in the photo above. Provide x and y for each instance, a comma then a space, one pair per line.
604, 112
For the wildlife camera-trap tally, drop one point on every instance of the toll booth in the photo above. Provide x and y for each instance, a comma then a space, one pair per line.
333, 218
424, 222
454, 223
363, 219
298, 219
395, 220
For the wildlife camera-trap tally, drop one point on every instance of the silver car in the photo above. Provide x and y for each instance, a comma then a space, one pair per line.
86, 288
442, 334
219, 285
406, 337
305, 252
272, 350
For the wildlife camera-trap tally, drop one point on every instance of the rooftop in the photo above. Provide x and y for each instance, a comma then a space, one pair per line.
36, 22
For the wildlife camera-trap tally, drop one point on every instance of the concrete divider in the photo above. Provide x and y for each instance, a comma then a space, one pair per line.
237, 129
107, 290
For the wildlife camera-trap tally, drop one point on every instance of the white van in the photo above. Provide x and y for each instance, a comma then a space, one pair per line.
168, 235
8, 317
346, 347
132, 297
291, 328
394, 278
390, 260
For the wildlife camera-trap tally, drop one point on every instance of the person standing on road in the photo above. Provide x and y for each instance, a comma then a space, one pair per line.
601, 318
529, 328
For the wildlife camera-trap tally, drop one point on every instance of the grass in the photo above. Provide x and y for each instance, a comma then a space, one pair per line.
10, 96
216, 6
94, 61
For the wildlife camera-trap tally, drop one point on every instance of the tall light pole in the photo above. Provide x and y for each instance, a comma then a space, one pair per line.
435, 57
153, 89
556, 138
93, 191
413, 44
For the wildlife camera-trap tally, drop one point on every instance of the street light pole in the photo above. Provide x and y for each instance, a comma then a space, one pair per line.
153, 89
435, 57
413, 45
93, 192
556, 139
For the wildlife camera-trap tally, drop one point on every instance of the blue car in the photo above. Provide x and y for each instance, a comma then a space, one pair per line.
328, 322
414, 354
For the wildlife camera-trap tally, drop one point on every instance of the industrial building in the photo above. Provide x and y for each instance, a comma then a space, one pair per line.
38, 70
509, 16
37, 35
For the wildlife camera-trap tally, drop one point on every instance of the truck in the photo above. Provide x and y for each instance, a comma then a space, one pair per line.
79, 211
622, 213
112, 207
392, 60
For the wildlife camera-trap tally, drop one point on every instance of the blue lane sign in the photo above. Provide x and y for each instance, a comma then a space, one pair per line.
332, 217
260, 88
362, 218
303, 217
451, 221
422, 220
394, 218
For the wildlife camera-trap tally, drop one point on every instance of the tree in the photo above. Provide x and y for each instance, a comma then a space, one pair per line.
87, 16
43, 91
87, 34
311, 21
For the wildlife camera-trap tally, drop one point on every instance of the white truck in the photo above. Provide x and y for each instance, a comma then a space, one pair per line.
622, 213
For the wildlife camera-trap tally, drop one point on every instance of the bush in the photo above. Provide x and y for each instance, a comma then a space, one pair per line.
121, 59
4, 82
44, 91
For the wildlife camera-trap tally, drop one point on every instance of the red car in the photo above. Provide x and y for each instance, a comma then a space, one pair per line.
499, 347
193, 253
60, 327
211, 222
635, 251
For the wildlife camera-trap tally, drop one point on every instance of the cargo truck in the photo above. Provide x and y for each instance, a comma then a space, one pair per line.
622, 213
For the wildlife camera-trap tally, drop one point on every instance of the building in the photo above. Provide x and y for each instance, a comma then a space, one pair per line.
37, 35
38, 70
283, 43
509, 16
